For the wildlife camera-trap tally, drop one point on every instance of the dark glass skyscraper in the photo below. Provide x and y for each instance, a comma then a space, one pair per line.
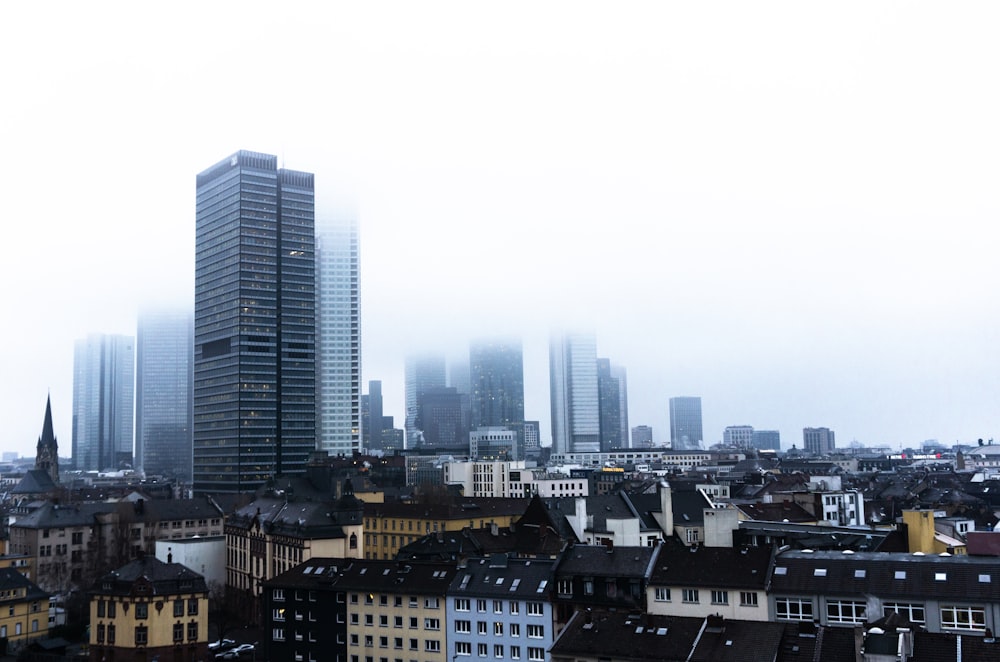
423, 373
496, 371
609, 404
164, 365
255, 323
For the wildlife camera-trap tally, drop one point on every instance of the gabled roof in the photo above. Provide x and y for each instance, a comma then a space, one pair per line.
52, 515
150, 576
502, 577
11, 579
35, 481
601, 561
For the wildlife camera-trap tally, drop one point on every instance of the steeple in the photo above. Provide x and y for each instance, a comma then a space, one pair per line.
47, 451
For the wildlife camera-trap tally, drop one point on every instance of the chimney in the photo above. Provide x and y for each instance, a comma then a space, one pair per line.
170, 555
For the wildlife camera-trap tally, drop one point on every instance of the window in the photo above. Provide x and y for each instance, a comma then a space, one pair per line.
661, 594
111, 633
463, 627
462, 604
845, 611
34, 625
515, 629
536, 632
142, 610
536, 609
498, 629
277, 634
178, 608
100, 633
112, 608
397, 643
498, 650
355, 619
515, 652
276, 614
100, 608
193, 631
383, 642
413, 623
913, 612
961, 617
482, 650
748, 598
432, 623
397, 621
463, 648
689, 595
588, 585
278, 595
565, 586
369, 641
383, 620
481, 606
536, 654
793, 609
430, 603
515, 607
369, 620
355, 639
192, 606
432, 646
141, 635
691, 535
414, 644
481, 627
720, 597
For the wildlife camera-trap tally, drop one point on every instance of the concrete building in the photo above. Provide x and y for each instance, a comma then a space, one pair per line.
818, 441
738, 436
767, 440
642, 437
103, 399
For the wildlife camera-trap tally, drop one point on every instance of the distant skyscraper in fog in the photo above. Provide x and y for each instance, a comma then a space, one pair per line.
618, 372
163, 402
371, 416
685, 423
642, 436
576, 425
254, 323
818, 441
764, 440
423, 373
496, 370
609, 404
338, 338
443, 421
738, 436
103, 398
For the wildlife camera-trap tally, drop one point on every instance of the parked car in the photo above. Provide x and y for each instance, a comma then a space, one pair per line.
221, 645
235, 653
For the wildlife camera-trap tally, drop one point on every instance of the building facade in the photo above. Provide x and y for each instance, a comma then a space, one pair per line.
685, 424
576, 424
496, 373
738, 436
767, 440
103, 395
422, 374
338, 334
163, 403
818, 441
642, 436
255, 323
24, 610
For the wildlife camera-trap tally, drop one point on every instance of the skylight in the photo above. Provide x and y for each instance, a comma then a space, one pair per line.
819, 572
859, 574
900, 574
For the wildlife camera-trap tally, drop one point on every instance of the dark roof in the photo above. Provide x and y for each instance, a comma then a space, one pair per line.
983, 543
689, 508
150, 576
416, 577
11, 579
785, 511
471, 508
627, 638
601, 561
48, 437
35, 481
809, 642
886, 575
286, 512
52, 515
940, 647
502, 577
736, 568
737, 641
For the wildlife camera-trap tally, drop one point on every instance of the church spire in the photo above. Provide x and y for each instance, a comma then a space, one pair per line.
47, 451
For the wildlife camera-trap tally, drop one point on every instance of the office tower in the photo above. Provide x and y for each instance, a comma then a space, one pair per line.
163, 402
47, 449
685, 423
618, 372
255, 323
103, 392
764, 440
373, 420
609, 403
573, 383
338, 338
738, 436
532, 438
493, 443
642, 436
443, 420
496, 369
459, 377
818, 441
422, 374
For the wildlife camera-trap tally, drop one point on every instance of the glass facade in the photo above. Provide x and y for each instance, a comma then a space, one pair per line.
685, 423
574, 394
103, 392
255, 323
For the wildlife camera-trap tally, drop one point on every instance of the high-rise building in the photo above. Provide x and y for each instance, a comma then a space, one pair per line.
371, 419
642, 436
738, 436
685, 423
818, 441
163, 403
338, 338
422, 374
618, 372
255, 323
496, 369
609, 402
493, 443
443, 421
103, 398
532, 438
574, 394
764, 440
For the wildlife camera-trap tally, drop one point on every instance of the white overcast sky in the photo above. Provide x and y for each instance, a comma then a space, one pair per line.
787, 208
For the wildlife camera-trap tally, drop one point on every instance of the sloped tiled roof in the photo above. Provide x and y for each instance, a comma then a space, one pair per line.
711, 566
602, 561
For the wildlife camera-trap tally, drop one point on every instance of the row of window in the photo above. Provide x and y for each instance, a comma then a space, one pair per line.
107, 633
109, 608
533, 608
513, 629
535, 653
850, 612
693, 596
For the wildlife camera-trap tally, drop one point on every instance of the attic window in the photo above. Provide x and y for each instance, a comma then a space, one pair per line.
940, 577
900, 574
499, 581
308, 570
781, 570
985, 579
859, 574
819, 572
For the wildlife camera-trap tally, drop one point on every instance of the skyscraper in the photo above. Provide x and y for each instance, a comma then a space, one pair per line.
255, 323
818, 441
738, 436
642, 436
163, 403
685, 423
767, 440
338, 336
103, 393
371, 419
423, 373
610, 389
496, 369
618, 372
574, 397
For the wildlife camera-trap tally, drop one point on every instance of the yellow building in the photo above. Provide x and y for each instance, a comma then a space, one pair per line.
392, 525
147, 610
923, 535
24, 609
